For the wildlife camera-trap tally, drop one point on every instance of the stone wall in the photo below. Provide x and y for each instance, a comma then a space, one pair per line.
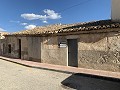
99, 51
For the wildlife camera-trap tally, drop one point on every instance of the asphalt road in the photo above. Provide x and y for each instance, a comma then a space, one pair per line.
17, 77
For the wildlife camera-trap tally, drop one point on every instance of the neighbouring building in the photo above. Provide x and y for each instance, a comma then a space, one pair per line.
115, 10
93, 45
2, 37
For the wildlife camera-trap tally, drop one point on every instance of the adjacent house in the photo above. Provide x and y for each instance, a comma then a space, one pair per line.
2, 37
93, 45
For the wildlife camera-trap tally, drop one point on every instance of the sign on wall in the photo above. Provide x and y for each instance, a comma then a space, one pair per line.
62, 44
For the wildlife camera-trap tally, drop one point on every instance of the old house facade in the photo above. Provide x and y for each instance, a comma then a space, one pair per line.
93, 45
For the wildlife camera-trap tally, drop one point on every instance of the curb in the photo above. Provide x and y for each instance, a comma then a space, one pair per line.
67, 72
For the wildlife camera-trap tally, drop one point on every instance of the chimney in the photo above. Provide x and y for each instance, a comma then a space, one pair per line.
115, 10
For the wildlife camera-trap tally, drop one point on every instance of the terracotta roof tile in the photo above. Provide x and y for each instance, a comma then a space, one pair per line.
4, 33
58, 28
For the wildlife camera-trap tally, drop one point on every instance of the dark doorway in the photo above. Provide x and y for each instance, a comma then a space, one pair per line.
19, 50
9, 48
3, 48
72, 52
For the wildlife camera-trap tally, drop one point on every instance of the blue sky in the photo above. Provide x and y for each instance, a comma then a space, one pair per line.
16, 15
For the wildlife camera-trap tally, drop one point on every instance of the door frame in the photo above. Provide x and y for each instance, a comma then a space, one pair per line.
67, 50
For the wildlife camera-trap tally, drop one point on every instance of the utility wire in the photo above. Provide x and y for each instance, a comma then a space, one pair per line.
81, 3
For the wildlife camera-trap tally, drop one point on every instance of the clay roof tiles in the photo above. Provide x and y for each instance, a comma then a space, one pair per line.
62, 28
42, 29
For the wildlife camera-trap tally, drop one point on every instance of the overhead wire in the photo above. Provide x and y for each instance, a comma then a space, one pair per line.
74, 5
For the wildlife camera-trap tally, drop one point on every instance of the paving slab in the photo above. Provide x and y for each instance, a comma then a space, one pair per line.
64, 69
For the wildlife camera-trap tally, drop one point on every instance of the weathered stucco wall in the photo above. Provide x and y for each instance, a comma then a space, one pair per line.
115, 10
2, 41
24, 47
99, 51
13, 41
51, 53
34, 48
30, 47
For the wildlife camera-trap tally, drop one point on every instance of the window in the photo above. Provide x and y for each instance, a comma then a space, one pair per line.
9, 48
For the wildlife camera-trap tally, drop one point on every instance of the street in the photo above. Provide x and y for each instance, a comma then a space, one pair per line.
17, 77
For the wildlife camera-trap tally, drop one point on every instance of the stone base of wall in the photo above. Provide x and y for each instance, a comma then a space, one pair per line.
99, 60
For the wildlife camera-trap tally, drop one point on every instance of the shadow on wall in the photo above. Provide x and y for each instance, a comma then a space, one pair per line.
87, 82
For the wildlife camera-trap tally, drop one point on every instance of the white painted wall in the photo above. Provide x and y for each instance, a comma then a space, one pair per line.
115, 10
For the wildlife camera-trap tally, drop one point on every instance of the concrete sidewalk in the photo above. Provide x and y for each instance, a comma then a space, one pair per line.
64, 69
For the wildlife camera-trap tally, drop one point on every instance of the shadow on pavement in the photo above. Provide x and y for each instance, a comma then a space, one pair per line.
87, 82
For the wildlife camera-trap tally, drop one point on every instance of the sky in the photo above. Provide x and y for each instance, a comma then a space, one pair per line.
16, 15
